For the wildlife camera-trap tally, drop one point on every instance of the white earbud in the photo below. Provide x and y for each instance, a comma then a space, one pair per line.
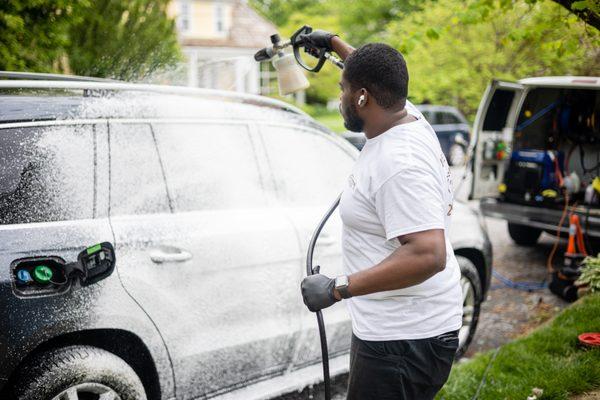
361, 100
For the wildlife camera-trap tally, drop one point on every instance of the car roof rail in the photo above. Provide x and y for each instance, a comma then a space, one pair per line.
38, 76
107, 85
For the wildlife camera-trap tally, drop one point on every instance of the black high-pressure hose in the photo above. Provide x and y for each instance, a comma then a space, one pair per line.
310, 271
323, 55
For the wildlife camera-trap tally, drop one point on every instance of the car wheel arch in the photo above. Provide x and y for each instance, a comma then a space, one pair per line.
477, 258
124, 344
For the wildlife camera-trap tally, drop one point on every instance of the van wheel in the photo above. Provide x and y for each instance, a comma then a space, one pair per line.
472, 297
524, 235
77, 373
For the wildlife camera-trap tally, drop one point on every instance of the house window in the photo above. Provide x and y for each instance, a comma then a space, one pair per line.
219, 18
184, 18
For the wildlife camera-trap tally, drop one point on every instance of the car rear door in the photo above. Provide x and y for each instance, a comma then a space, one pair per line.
493, 127
53, 189
213, 265
309, 170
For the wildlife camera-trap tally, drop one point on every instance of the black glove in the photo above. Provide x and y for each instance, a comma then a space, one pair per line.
317, 292
317, 38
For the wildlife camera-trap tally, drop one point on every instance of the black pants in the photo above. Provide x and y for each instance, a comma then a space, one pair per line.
400, 369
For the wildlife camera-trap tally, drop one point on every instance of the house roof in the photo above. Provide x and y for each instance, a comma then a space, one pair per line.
248, 30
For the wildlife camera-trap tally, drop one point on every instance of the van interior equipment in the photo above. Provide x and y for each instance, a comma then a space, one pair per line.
48, 275
540, 145
290, 82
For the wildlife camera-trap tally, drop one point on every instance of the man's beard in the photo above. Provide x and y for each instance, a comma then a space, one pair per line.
352, 121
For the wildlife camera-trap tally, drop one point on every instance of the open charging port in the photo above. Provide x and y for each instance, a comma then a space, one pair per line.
49, 275
35, 276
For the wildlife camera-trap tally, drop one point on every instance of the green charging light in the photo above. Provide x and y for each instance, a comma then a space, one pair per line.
93, 249
42, 274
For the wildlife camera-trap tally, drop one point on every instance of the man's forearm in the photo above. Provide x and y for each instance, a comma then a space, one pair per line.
409, 265
342, 48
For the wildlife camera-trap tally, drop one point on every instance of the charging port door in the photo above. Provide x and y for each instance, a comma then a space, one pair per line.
492, 135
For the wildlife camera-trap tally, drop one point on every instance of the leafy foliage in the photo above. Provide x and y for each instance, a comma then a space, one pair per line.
590, 273
453, 49
122, 39
453, 54
105, 38
33, 34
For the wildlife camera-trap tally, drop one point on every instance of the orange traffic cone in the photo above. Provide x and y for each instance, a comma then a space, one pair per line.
572, 257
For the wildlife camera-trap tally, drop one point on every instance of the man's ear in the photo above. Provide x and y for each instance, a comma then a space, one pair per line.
363, 98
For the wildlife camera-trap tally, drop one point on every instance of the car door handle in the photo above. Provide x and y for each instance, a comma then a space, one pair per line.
164, 254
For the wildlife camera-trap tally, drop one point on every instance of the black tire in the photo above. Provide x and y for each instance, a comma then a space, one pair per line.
470, 276
48, 374
524, 235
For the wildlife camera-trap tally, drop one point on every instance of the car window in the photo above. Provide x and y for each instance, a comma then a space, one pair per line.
498, 109
137, 183
448, 118
428, 115
210, 166
308, 168
46, 174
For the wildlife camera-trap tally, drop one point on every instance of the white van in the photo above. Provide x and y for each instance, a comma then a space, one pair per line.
537, 151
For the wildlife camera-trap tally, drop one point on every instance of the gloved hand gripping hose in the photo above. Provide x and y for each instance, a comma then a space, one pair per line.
310, 271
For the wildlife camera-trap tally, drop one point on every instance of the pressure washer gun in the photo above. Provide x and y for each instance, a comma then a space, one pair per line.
289, 76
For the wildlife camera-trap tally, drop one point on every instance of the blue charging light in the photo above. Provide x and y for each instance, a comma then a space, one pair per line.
24, 276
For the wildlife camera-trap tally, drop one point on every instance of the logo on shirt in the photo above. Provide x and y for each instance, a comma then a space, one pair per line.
352, 181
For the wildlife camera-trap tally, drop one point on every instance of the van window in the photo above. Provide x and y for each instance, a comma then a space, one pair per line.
137, 184
497, 112
308, 168
46, 174
210, 166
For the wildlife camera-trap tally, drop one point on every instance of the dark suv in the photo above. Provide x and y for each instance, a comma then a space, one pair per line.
209, 199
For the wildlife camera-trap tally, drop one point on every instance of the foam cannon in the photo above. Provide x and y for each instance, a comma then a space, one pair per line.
290, 77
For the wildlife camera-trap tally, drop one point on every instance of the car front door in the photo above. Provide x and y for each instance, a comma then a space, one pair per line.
309, 169
213, 265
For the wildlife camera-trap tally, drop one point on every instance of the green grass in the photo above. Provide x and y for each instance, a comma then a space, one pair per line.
549, 358
332, 120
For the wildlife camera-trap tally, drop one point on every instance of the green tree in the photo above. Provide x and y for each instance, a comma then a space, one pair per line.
123, 39
279, 11
451, 59
33, 34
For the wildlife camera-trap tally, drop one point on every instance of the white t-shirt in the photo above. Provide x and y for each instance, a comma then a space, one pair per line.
400, 184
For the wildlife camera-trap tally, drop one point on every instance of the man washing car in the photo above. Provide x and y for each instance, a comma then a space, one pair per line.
402, 279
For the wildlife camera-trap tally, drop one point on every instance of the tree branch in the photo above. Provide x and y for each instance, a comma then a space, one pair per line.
589, 16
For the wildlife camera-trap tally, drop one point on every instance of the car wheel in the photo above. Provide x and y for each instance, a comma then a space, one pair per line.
472, 297
77, 373
524, 235
456, 155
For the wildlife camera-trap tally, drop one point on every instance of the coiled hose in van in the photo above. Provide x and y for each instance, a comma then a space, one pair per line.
310, 271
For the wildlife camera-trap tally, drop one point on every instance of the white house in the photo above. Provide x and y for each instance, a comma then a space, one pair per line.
219, 39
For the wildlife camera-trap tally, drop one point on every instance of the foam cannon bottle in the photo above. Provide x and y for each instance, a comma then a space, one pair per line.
290, 77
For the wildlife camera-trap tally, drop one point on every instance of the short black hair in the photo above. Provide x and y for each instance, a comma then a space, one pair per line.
381, 70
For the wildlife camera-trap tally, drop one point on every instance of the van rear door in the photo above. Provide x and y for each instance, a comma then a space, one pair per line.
493, 130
